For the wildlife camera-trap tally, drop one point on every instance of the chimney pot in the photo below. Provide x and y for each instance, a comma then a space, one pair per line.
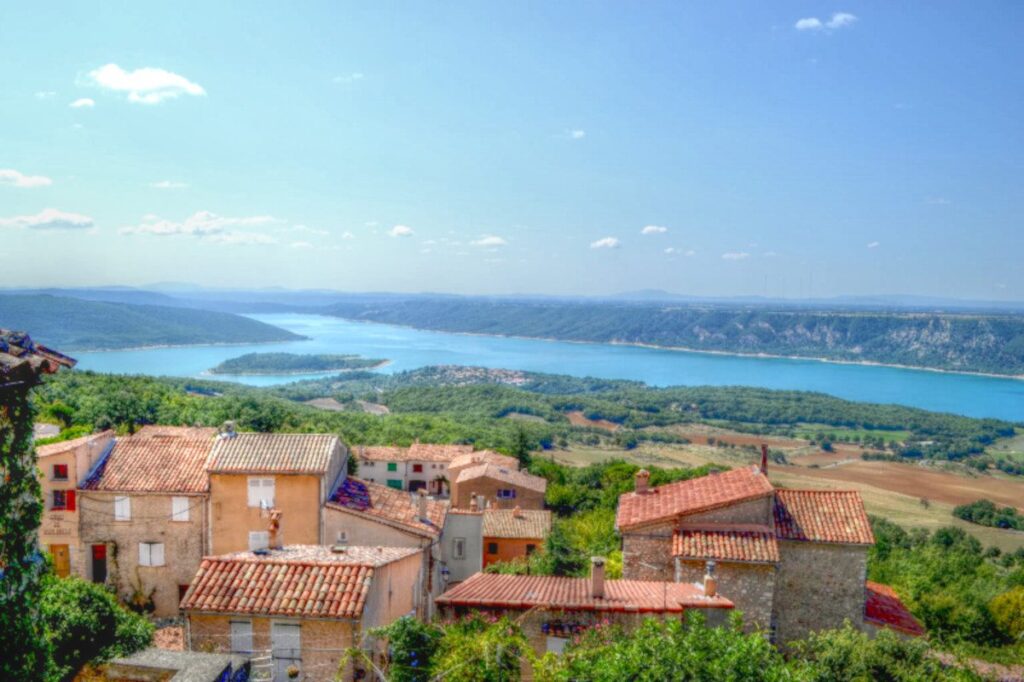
597, 577
710, 581
643, 477
421, 504
517, 512
764, 459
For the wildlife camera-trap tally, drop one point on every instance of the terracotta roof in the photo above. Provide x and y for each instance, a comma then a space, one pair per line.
726, 545
835, 516
884, 608
151, 430
484, 456
387, 504
495, 590
511, 523
420, 452
301, 581
511, 476
66, 445
689, 497
155, 464
281, 453
23, 361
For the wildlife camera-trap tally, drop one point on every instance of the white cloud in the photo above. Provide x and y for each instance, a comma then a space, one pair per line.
9, 176
300, 245
577, 134
305, 229
49, 219
489, 240
874, 245
837, 21
146, 85
654, 229
206, 225
168, 184
83, 102
348, 78
46, 94
735, 255
605, 243
347, 235
401, 231
672, 250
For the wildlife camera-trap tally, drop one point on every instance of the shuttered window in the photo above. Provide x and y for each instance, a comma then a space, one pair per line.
122, 508
179, 508
151, 554
261, 492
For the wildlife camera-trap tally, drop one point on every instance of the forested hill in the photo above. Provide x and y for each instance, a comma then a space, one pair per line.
76, 324
963, 342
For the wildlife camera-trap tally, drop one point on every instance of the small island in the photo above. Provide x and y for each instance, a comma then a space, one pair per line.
294, 363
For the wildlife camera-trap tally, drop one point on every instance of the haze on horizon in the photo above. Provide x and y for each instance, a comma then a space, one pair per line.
795, 150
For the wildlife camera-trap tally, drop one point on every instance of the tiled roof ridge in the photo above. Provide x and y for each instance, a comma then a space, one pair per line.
279, 561
524, 478
824, 516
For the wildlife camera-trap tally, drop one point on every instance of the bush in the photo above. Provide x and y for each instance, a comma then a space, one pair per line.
1008, 613
85, 623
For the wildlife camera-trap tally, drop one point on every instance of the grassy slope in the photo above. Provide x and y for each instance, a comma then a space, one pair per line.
76, 324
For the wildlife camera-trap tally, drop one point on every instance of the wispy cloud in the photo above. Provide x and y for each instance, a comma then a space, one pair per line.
83, 103
347, 235
874, 245
168, 184
401, 231
9, 176
208, 226
838, 20
577, 134
49, 219
489, 240
240, 238
348, 78
306, 229
674, 251
735, 255
300, 245
46, 94
606, 243
654, 229
147, 85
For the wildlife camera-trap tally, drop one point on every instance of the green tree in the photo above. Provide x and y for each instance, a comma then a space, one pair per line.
475, 650
1008, 613
411, 647
521, 446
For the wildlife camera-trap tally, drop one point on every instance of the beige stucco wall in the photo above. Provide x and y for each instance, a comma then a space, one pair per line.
467, 526
298, 498
184, 544
396, 590
361, 530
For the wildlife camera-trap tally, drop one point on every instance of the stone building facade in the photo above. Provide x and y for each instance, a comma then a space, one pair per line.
497, 487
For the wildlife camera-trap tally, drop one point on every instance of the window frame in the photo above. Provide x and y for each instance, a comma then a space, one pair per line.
152, 552
459, 549
492, 547
258, 500
63, 495
56, 472
506, 494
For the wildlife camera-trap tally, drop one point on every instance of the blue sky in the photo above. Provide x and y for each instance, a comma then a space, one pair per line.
789, 149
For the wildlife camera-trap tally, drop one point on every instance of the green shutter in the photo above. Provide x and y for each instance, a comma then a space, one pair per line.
395, 483
392, 466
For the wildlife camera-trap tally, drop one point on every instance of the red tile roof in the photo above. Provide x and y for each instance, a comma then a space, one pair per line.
483, 457
66, 445
523, 523
23, 361
726, 545
154, 464
835, 516
301, 581
388, 505
503, 474
420, 452
709, 492
273, 453
884, 608
493, 590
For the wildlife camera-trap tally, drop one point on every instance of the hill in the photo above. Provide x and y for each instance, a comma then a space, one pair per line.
78, 324
294, 363
990, 343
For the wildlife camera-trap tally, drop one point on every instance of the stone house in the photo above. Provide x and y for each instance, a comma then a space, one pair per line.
793, 561
510, 534
300, 606
62, 467
472, 459
362, 513
421, 466
143, 515
499, 487
252, 473
551, 609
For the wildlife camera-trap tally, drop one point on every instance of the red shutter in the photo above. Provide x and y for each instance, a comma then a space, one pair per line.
70, 500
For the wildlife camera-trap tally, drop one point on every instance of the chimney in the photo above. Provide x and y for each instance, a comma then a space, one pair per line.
764, 458
227, 429
517, 512
710, 581
274, 527
642, 478
472, 502
421, 504
597, 577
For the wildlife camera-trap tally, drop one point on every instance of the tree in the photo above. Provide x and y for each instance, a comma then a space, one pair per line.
85, 623
411, 647
521, 446
475, 650
1008, 613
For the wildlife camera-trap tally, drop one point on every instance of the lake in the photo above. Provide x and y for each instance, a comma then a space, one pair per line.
976, 396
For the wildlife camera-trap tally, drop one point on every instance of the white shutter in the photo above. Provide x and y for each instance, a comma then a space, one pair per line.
261, 492
144, 554
156, 550
241, 636
122, 508
179, 508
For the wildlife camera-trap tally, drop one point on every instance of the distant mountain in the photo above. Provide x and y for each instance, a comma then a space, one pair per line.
80, 324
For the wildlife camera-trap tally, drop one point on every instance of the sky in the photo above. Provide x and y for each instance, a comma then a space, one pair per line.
793, 149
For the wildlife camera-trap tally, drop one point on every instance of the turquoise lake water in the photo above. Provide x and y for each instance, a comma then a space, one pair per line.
976, 396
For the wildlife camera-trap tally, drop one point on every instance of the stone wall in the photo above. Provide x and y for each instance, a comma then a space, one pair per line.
754, 512
651, 546
818, 587
751, 587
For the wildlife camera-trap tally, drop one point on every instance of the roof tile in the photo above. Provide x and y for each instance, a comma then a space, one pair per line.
834, 516
726, 545
883, 607
506, 475
516, 523
388, 504
173, 462
282, 453
23, 361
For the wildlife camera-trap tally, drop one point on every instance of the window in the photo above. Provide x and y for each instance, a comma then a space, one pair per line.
492, 547
395, 483
122, 508
241, 636
556, 645
392, 466
342, 537
59, 500
506, 493
261, 492
530, 549
459, 548
182, 589
258, 539
366, 463
417, 468
179, 508
60, 472
151, 554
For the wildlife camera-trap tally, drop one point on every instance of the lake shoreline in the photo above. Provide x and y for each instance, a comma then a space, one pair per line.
298, 372
166, 346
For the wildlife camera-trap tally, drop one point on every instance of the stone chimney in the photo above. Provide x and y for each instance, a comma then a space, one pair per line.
643, 477
710, 581
274, 529
472, 502
597, 577
421, 504
517, 512
764, 458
